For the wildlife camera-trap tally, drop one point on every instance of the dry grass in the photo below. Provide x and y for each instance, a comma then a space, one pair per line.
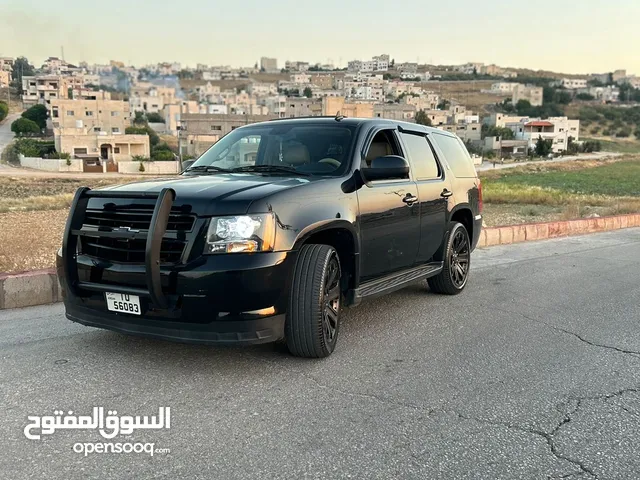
29, 240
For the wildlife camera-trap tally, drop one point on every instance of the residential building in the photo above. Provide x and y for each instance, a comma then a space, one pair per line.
153, 101
407, 67
606, 94
501, 120
572, 83
528, 92
43, 88
556, 129
276, 105
269, 65
90, 94
296, 66
378, 63
303, 107
468, 132
87, 116
324, 82
334, 105
5, 78
506, 148
470, 68
212, 75
261, 89
395, 111
104, 146
426, 101
618, 75
504, 88
173, 112
6, 64
198, 132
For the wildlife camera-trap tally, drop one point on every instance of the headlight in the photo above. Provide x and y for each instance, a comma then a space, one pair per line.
243, 233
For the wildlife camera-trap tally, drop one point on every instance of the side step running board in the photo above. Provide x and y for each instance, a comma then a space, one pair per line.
392, 282
73, 230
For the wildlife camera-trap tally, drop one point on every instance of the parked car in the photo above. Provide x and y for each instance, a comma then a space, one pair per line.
272, 231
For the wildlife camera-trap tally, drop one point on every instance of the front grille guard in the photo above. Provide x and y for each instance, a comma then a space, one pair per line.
73, 230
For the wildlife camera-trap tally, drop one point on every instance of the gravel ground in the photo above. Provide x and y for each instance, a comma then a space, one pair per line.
29, 240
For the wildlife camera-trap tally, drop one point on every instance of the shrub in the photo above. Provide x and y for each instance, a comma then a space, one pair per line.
139, 158
623, 132
28, 147
162, 155
155, 118
59, 155
637, 133
141, 167
585, 96
4, 110
24, 126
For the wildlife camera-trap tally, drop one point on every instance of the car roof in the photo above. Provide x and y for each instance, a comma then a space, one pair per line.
354, 121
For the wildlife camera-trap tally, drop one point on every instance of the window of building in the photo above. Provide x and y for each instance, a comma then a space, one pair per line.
115, 114
116, 149
216, 128
54, 112
88, 113
79, 151
70, 113
115, 130
456, 155
421, 156
96, 129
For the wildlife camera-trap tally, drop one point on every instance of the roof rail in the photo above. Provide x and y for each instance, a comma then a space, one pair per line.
298, 118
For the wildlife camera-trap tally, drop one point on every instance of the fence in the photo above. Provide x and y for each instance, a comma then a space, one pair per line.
51, 165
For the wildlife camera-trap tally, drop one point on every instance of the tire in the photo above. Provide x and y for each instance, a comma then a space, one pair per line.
457, 260
313, 319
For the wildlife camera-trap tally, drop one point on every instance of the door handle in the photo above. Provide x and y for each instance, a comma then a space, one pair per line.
410, 199
446, 193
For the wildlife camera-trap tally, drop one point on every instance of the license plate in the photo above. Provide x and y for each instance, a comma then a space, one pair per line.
123, 303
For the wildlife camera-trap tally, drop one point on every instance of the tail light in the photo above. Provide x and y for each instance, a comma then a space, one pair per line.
480, 197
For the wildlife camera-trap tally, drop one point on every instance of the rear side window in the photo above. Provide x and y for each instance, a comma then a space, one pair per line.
424, 162
456, 155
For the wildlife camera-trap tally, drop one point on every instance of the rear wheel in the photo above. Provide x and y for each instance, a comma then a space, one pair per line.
313, 320
457, 260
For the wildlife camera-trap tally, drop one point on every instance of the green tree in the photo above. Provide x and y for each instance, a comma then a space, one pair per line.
523, 107
21, 68
422, 118
563, 97
307, 92
155, 118
139, 119
444, 104
585, 96
28, 147
4, 110
24, 126
543, 147
38, 114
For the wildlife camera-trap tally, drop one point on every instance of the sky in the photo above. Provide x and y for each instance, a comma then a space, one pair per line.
569, 36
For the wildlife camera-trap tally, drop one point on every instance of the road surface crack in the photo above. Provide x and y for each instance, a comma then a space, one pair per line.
569, 332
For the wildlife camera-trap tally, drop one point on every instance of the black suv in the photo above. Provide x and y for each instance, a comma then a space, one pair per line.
272, 231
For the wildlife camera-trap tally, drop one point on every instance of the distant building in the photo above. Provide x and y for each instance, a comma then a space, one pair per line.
296, 66
153, 100
468, 132
6, 64
303, 107
470, 68
504, 88
556, 129
572, 83
43, 88
198, 132
528, 92
324, 82
379, 63
269, 65
395, 111
5, 78
334, 105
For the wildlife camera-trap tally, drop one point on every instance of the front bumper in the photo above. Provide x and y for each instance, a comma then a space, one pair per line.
216, 299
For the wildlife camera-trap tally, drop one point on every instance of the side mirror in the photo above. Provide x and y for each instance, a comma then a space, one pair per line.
386, 168
187, 163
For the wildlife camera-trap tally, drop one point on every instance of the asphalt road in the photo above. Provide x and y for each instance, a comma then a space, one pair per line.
533, 372
6, 135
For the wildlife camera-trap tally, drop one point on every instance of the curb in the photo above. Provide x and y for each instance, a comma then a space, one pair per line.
40, 287
527, 232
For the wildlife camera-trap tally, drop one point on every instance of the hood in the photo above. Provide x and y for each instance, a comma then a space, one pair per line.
219, 194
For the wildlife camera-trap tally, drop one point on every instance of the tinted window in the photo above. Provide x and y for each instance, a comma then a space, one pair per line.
456, 155
421, 156
313, 149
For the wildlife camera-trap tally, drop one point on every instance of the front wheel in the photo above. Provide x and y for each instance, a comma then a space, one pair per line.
313, 320
457, 259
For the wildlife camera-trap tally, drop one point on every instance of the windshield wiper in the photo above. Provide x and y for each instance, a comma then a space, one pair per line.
270, 169
207, 169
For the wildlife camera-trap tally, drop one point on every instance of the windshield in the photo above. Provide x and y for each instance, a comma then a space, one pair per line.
311, 149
